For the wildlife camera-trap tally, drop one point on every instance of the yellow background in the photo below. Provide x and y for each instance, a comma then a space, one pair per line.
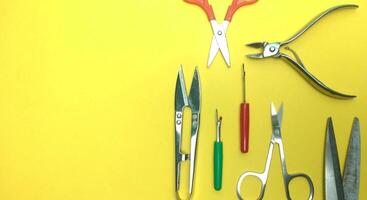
87, 95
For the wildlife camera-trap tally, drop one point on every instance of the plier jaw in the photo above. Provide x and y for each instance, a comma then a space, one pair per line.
269, 49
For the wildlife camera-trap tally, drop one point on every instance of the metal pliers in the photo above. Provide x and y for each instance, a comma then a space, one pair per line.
193, 102
273, 50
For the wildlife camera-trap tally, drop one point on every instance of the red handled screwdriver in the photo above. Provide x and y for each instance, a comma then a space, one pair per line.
244, 118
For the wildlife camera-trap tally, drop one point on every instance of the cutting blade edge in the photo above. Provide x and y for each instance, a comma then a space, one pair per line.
256, 56
333, 179
276, 116
195, 95
180, 94
351, 175
256, 44
213, 51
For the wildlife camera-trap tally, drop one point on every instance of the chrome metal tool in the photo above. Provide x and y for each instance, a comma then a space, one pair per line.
346, 187
193, 102
272, 49
276, 138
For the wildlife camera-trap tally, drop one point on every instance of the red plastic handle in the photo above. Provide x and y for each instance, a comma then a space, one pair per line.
236, 4
245, 125
203, 4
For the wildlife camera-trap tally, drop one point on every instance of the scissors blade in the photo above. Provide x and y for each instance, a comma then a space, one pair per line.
181, 96
194, 102
276, 117
280, 114
181, 101
352, 164
333, 179
194, 98
214, 48
219, 42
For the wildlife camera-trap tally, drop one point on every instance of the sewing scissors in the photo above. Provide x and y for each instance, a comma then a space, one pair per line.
276, 121
272, 49
336, 186
219, 40
193, 102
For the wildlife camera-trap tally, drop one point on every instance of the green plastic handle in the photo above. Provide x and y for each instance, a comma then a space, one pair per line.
218, 165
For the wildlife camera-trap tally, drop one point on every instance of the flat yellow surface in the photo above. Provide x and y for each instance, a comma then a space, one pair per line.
87, 96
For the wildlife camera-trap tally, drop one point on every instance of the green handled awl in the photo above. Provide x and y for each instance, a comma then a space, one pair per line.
218, 156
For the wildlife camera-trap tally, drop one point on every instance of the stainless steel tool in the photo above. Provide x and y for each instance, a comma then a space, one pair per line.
276, 138
272, 49
336, 186
193, 102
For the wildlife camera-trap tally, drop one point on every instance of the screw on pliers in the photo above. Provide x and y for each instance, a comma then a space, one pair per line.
273, 50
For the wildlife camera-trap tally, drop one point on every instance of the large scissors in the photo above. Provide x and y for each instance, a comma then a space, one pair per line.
346, 187
276, 121
219, 41
181, 101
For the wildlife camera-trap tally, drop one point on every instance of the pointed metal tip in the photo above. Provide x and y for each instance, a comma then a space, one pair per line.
280, 110
256, 44
228, 63
356, 126
196, 72
330, 137
210, 62
329, 127
180, 74
180, 69
255, 56
273, 110
356, 120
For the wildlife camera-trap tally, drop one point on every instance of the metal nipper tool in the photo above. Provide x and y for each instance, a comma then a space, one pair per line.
276, 138
273, 50
193, 102
346, 187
